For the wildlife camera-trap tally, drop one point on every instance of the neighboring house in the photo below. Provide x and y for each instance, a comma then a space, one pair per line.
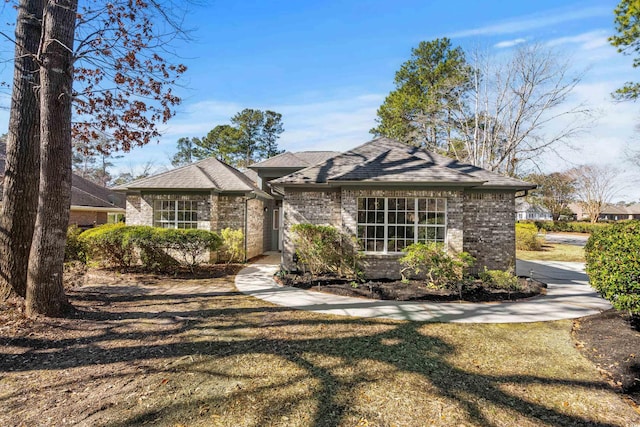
275, 167
91, 204
609, 212
389, 195
528, 211
208, 195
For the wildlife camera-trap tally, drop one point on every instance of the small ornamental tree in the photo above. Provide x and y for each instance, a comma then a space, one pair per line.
613, 265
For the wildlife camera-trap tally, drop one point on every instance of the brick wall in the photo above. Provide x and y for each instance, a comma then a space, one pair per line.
314, 207
255, 228
140, 207
489, 223
87, 218
339, 208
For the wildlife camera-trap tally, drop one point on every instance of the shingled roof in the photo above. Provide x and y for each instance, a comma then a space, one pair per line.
84, 193
300, 159
384, 160
207, 174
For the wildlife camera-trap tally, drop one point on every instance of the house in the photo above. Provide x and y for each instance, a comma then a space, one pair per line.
91, 204
389, 195
531, 212
386, 194
208, 194
609, 212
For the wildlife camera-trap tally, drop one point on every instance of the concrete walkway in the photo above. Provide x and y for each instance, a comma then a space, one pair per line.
568, 296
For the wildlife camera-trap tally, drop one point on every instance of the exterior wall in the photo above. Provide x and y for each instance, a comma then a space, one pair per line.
255, 228
314, 207
87, 218
489, 229
339, 208
140, 207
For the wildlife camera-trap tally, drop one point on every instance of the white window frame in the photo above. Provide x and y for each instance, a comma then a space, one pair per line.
175, 222
115, 217
416, 223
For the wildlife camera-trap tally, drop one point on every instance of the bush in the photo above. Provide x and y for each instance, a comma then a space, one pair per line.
499, 279
123, 246
527, 237
189, 245
322, 249
440, 268
74, 249
108, 244
613, 265
566, 226
232, 245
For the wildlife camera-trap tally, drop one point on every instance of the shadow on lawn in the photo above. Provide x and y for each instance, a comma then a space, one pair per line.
402, 347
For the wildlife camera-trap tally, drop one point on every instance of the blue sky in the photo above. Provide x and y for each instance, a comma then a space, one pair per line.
327, 66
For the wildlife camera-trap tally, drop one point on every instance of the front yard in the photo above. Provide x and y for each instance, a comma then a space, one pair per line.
171, 352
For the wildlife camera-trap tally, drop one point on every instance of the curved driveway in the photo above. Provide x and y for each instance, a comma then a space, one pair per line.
568, 296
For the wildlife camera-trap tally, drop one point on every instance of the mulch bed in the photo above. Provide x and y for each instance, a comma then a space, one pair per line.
414, 290
611, 342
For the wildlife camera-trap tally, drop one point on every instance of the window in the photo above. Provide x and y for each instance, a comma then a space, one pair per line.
276, 219
392, 224
175, 213
114, 218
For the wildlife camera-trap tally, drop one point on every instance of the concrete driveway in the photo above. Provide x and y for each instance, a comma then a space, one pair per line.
567, 239
568, 296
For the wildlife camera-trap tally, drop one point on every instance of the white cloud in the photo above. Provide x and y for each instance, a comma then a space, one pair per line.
509, 43
531, 22
587, 41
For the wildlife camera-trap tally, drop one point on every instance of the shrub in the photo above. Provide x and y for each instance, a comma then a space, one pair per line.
613, 265
122, 246
440, 268
107, 243
566, 226
189, 245
499, 279
232, 245
322, 249
74, 249
527, 237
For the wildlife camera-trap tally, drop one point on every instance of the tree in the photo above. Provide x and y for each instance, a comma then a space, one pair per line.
90, 163
428, 87
555, 191
186, 152
595, 186
22, 163
252, 136
45, 293
119, 85
627, 24
498, 114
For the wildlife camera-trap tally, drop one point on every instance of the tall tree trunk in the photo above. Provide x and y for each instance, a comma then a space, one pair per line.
22, 165
45, 292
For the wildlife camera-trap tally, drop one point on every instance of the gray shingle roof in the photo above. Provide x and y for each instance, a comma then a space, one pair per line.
300, 159
207, 174
83, 192
384, 160
87, 193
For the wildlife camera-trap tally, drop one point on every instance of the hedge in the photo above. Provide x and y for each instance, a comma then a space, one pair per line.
567, 226
613, 264
155, 248
527, 237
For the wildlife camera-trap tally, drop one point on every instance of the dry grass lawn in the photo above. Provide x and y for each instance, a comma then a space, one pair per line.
554, 252
172, 352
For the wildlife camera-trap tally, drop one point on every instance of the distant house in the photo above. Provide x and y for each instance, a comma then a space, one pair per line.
609, 212
528, 211
91, 204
